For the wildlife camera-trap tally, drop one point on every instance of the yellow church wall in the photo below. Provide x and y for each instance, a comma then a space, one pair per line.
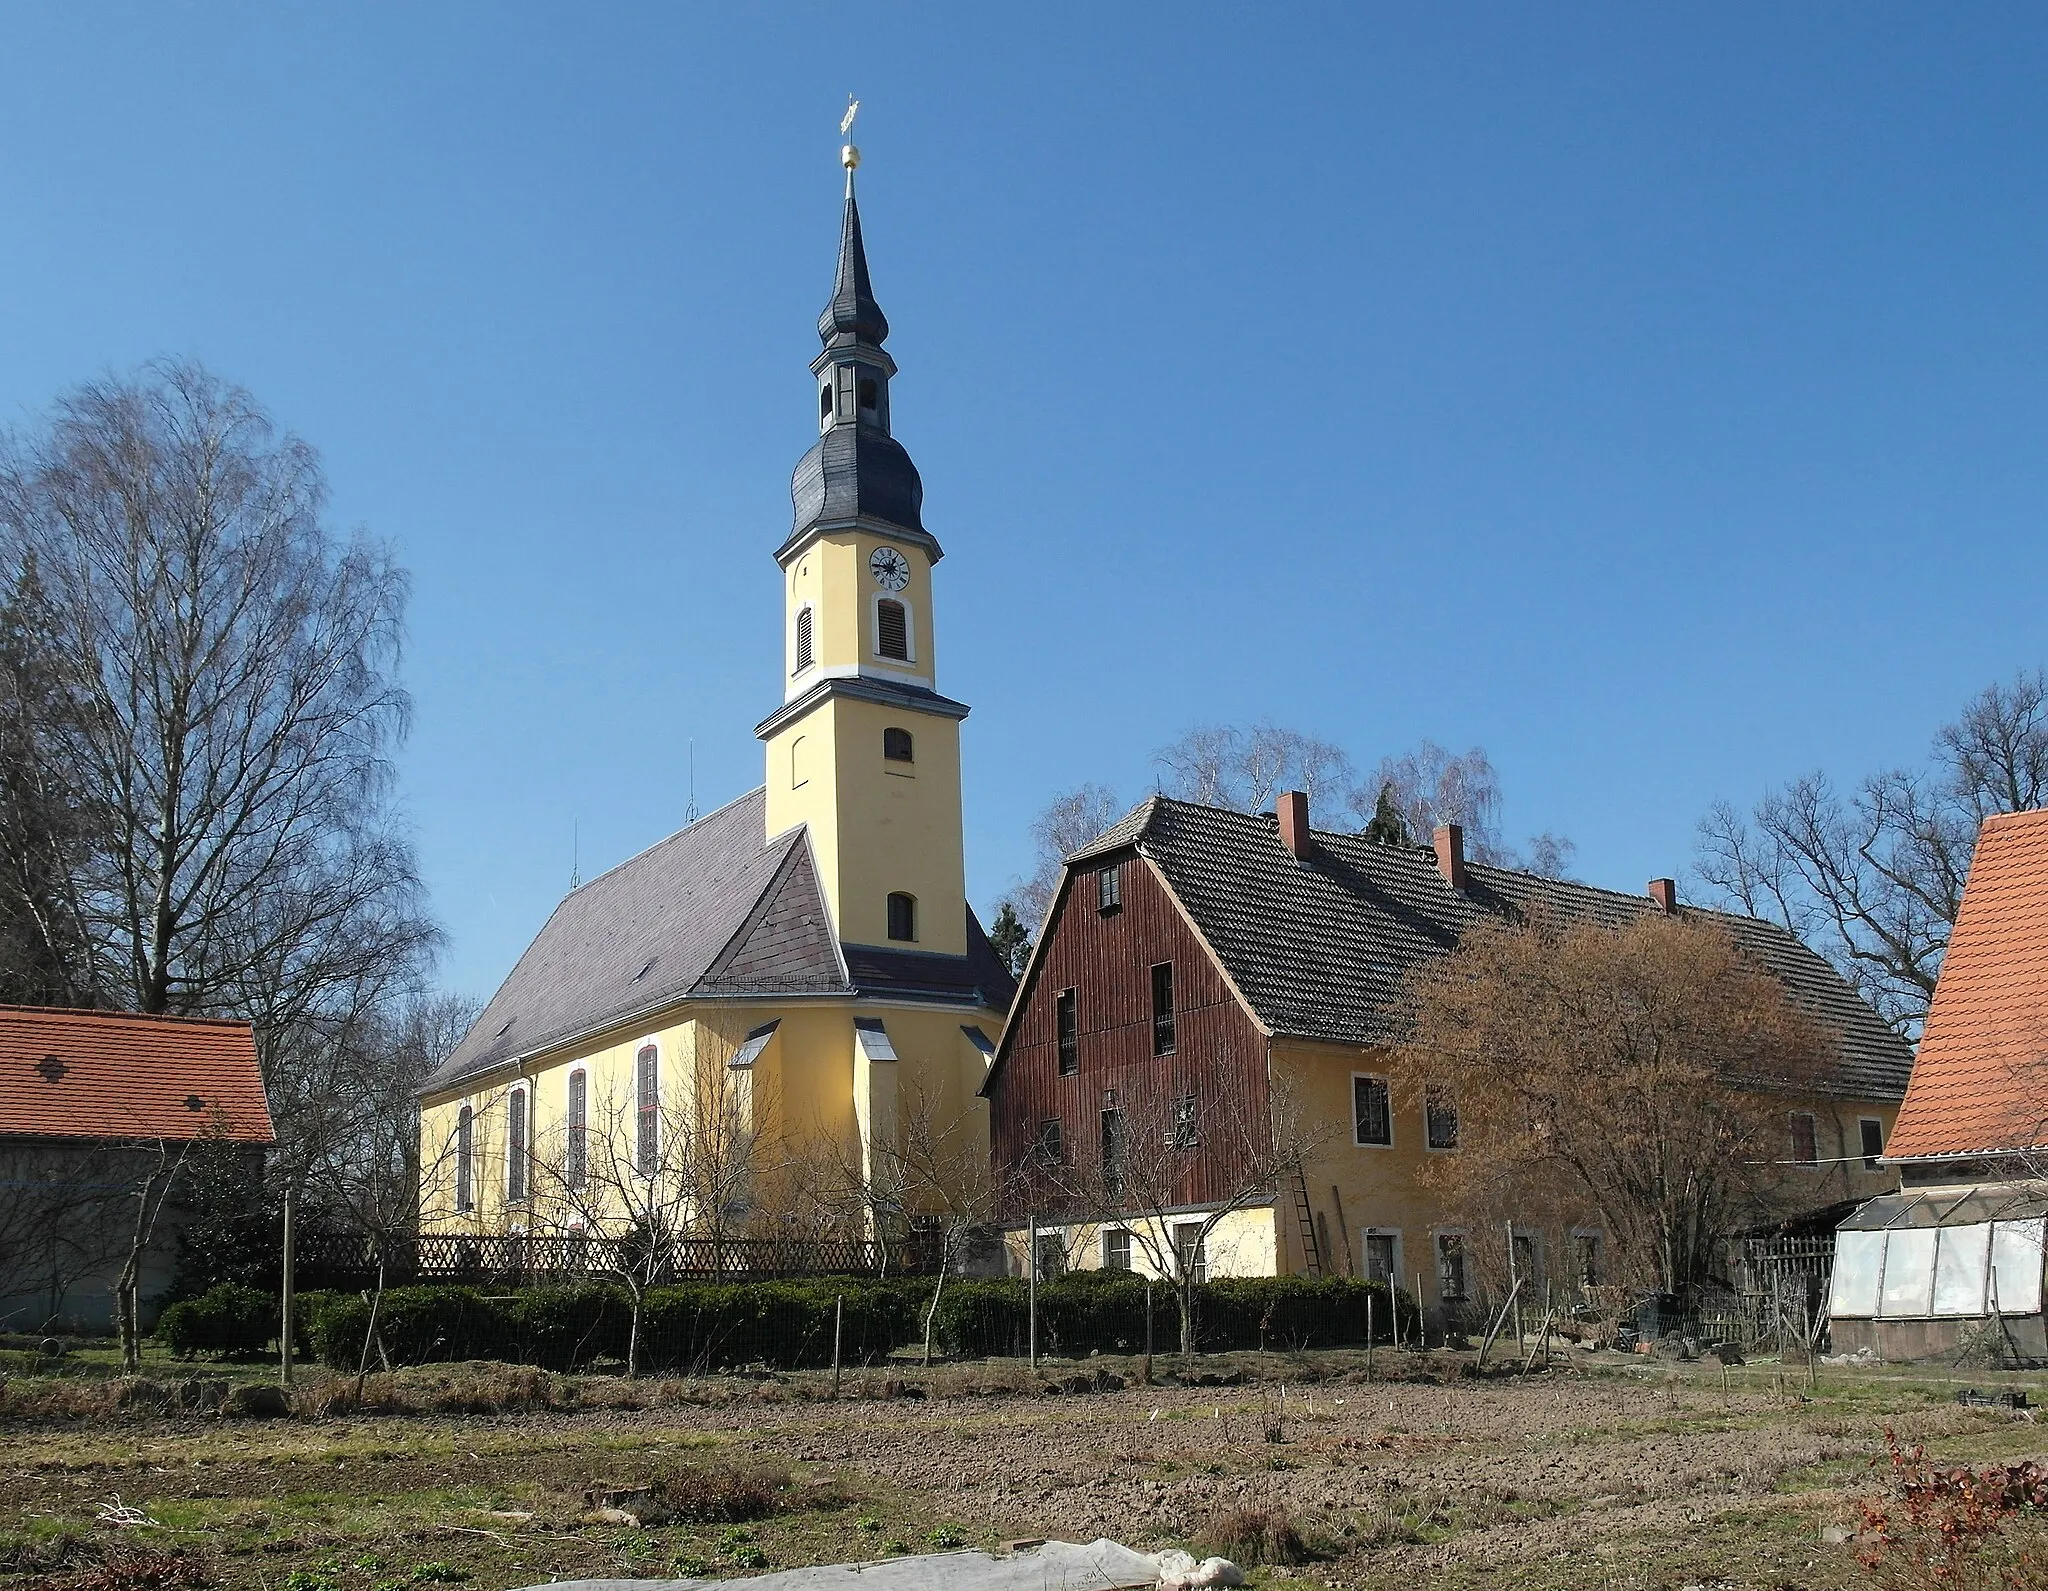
906, 817
832, 576
812, 1094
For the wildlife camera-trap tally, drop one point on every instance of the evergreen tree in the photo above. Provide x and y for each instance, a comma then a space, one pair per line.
1010, 938
1388, 827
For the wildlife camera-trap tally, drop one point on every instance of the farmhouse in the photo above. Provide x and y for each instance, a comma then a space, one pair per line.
1956, 1253
100, 1115
782, 977
1199, 964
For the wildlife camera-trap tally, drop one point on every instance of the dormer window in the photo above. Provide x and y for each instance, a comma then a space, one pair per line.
892, 629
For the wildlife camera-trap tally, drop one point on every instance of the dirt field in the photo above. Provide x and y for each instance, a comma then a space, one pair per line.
1618, 1475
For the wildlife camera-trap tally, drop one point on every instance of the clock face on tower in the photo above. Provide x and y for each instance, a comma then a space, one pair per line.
890, 568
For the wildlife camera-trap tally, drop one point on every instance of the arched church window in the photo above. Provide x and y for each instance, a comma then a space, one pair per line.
892, 629
824, 404
803, 640
896, 745
647, 1110
903, 917
465, 1159
515, 1146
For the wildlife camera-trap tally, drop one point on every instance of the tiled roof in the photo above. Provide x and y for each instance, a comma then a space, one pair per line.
1981, 1081
709, 911
1319, 947
107, 1074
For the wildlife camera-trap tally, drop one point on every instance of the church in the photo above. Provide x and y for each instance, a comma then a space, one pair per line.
771, 990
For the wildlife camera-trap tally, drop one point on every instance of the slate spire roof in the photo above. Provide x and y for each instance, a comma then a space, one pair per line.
1980, 1083
853, 313
1318, 947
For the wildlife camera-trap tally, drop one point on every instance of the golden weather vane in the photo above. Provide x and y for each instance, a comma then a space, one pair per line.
849, 157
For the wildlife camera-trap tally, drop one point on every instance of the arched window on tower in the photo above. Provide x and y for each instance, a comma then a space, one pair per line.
892, 629
903, 917
803, 639
824, 406
896, 745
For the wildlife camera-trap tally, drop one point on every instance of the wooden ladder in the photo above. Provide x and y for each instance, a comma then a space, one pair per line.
1305, 1218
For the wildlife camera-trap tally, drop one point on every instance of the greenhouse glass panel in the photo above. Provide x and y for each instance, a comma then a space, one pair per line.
1859, 1256
1960, 1268
1908, 1272
2016, 1267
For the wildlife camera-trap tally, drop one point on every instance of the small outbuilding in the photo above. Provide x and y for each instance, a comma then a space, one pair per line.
101, 1117
1954, 1259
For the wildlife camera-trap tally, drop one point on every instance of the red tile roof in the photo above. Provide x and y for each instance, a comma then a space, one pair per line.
1980, 1081
107, 1074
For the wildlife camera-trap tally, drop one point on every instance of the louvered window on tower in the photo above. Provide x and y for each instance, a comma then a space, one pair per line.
902, 917
892, 630
896, 745
803, 639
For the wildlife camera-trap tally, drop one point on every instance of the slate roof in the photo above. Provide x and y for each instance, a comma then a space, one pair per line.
1319, 947
1980, 1084
108, 1074
709, 911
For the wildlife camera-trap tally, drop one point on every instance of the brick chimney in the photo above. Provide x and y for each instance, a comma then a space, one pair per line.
1294, 823
1450, 854
1664, 892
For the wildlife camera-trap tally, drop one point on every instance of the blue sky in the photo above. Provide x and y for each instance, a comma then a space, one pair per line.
1653, 395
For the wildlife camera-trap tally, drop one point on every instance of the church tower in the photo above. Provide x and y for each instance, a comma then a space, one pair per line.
864, 750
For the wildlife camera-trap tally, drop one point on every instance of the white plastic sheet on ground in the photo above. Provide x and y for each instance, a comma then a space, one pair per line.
1056, 1566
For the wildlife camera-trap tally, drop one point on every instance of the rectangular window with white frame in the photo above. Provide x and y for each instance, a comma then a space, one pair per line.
1372, 1112
1116, 1249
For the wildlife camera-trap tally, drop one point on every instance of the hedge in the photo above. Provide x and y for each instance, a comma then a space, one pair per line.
788, 1324
229, 1319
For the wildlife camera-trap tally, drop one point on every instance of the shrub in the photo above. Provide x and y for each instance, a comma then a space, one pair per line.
560, 1328
719, 1325
1293, 1311
699, 1496
1957, 1529
228, 1319
1259, 1533
417, 1325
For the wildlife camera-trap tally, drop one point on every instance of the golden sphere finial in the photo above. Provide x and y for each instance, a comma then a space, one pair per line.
849, 157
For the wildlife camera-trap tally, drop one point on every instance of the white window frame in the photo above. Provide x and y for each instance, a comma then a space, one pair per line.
796, 746
1385, 1082
797, 666
522, 1093
1130, 1253
875, 601
641, 1169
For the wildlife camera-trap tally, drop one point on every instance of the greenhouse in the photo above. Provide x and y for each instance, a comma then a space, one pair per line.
1924, 1272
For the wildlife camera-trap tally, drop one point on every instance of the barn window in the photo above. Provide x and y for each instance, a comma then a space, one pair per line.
515, 1146
1805, 1139
576, 1155
1185, 1119
892, 629
1162, 1008
1066, 1023
647, 1110
902, 916
803, 639
1113, 1149
1049, 1146
465, 1159
1109, 888
896, 745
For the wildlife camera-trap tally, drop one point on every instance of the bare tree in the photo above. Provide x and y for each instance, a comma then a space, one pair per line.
232, 662
1169, 1168
1219, 765
1067, 822
1873, 877
1631, 1079
649, 1169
